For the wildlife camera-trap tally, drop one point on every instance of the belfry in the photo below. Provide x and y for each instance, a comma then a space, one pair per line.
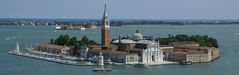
105, 29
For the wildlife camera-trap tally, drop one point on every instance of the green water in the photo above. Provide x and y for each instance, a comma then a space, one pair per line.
227, 36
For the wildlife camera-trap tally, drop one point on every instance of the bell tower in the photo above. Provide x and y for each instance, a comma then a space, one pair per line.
105, 29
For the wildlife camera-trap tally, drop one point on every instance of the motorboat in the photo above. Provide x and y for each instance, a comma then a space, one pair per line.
185, 63
102, 69
141, 65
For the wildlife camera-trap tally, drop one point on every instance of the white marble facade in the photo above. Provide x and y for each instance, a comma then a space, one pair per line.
152, 53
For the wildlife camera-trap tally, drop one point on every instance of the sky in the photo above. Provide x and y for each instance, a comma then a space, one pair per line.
121, 9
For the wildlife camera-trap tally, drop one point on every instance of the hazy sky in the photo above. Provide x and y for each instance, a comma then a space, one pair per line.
121, 9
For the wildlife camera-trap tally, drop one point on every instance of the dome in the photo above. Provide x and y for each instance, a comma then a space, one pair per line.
137, 36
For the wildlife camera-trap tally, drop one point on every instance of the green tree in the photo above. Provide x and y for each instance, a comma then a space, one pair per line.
203, 40
52, 41
73, 41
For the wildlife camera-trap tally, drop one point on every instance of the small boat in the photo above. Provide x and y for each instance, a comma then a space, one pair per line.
102, 69
57, 27
185, 63
141, 65
66, 27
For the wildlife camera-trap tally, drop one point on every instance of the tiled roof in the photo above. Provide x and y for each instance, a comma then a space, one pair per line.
51, 46
110, 52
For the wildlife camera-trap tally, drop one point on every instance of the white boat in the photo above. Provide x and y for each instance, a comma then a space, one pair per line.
82, 28
57, 27
65, 27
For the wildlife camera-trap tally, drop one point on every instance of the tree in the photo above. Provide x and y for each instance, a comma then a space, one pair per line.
203, 40
182, 37
85, 40
73, 41
52, 41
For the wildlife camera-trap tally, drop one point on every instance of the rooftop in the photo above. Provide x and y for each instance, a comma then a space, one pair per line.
132, 41
111, 52
51, 46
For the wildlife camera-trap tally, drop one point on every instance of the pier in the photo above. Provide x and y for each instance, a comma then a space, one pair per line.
50, 59
45, 56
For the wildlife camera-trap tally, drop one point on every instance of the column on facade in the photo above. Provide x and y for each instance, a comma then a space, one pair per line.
143, 56
151, 53
156, 53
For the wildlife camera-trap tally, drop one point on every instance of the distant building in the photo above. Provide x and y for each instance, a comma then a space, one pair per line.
55, 49
166, 47
116, 56
199, 54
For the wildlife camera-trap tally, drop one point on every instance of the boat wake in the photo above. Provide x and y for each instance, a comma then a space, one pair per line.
236, 33
9, 38
3, 29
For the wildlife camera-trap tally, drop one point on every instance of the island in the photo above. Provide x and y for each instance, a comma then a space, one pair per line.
135, 49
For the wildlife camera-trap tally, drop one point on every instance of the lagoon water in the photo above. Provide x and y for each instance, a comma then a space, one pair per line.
27, 36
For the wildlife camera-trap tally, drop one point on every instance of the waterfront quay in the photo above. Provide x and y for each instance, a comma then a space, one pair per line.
68, 60
62, 59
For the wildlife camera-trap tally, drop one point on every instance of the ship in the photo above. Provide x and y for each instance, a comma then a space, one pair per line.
75, 27
65, 27
185, 63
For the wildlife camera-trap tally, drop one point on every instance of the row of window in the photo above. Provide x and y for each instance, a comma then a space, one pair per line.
198, 56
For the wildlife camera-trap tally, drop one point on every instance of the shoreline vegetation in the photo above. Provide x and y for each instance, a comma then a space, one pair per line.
114, 22
66, 40
203, 40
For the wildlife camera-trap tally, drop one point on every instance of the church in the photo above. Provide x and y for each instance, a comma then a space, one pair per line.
128, 50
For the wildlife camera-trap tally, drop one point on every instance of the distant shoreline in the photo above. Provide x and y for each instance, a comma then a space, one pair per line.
114, 22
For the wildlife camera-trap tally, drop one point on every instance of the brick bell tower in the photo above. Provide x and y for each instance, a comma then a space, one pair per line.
105, 30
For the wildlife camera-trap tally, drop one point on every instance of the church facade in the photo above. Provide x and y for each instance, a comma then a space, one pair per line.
152, 53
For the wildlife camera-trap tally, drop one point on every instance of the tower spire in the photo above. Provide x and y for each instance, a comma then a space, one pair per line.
105, 29
105, 11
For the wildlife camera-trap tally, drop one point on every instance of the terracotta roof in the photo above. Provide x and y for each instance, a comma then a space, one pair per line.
51, 46
195, 48
110, 52
190, 51
166, 46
